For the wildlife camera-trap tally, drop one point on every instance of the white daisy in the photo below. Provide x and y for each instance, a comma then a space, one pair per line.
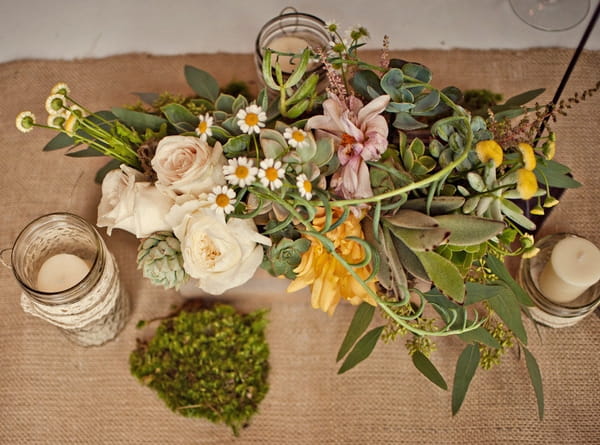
55, 103
240, 171
222, 199
60, 88
203, 129
331, 26
251, 119
270, 173
25, 121
57, 120
296, 138
305, 186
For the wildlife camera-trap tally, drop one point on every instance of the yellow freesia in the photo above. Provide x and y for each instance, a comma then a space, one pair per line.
526, 183
329, 279
487, 150
528, 155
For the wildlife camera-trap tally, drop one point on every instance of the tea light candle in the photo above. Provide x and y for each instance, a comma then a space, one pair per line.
287, 44
573, 267
60, 272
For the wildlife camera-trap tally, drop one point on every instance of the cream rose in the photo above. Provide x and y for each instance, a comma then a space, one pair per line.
220, 255
186, 165
137, 207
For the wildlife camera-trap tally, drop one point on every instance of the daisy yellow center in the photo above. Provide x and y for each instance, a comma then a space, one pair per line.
222, 200
241, 171
251, 119
202, 126
298, 136
271, 174
307, 186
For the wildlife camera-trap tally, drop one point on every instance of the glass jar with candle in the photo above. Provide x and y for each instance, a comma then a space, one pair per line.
290, 33
70, 279
562, 279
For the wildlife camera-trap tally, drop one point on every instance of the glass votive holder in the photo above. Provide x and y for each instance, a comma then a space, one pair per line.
70, 279
289, 34
551, 312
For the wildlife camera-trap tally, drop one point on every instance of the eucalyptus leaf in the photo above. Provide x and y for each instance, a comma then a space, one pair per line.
467, 230
180, 117
409, 260
137, 120
203, 84
362, 349
480, 335
359, 324
499, 269
536, 380
113, 164
444, 274
148, 98
477, 292
85, 153
523, 98
507, 307
555, 174
423, 364
61, 140
465, 370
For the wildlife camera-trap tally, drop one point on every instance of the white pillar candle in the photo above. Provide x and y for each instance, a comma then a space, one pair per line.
60, 272
573, 267
287, 44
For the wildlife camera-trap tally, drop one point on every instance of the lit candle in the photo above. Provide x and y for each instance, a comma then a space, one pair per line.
60, 272
573, 267
287, 44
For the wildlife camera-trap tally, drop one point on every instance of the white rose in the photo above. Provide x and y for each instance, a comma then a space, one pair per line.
220, 255
137, 207
188, 165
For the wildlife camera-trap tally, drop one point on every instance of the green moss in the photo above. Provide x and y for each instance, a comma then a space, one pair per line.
210, 363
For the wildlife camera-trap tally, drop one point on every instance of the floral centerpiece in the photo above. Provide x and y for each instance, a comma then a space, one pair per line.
383, 191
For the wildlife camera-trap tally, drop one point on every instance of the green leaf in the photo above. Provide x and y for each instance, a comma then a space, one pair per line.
101, 173
444, 274
465, 370
391, 82
421, 240
514, 212
364, 79
239, 103
409, 260
536, 381
411, 219
480, 335
555, 174
203, 84
360, 322
180, 117
423, 364
85, 153
499, 269
362, 349
225, 103
477, 292
506, 305
426, 103
523, 98
469, 230
273, 143
61, 140
236, 145
404, 121
439, 204
139, 121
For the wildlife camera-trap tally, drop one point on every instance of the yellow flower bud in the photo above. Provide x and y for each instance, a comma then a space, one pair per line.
528, 155
526, 183
550, 201
489, 150
537, 210
549, 149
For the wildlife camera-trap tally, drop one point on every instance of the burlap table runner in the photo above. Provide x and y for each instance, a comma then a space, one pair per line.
54, 392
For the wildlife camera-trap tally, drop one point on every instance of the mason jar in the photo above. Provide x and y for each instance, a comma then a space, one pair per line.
291, 33
70, 279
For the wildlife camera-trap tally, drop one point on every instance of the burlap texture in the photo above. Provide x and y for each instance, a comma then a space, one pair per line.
53, 392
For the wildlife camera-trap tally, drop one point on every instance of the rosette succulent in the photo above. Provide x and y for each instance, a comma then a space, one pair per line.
159, 258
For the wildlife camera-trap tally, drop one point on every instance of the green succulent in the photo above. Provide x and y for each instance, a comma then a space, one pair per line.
159, 258
210, 363
283, 257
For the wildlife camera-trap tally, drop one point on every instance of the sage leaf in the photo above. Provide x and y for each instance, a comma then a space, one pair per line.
444, 274
469, 230
203, 84
422, 240
465, 370
411, 219
499, 269
361, 320
423, 364
180, 117
536, 380
439, 204
362, 349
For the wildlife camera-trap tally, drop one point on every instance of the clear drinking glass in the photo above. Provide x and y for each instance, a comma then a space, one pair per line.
291, 32
94, 309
